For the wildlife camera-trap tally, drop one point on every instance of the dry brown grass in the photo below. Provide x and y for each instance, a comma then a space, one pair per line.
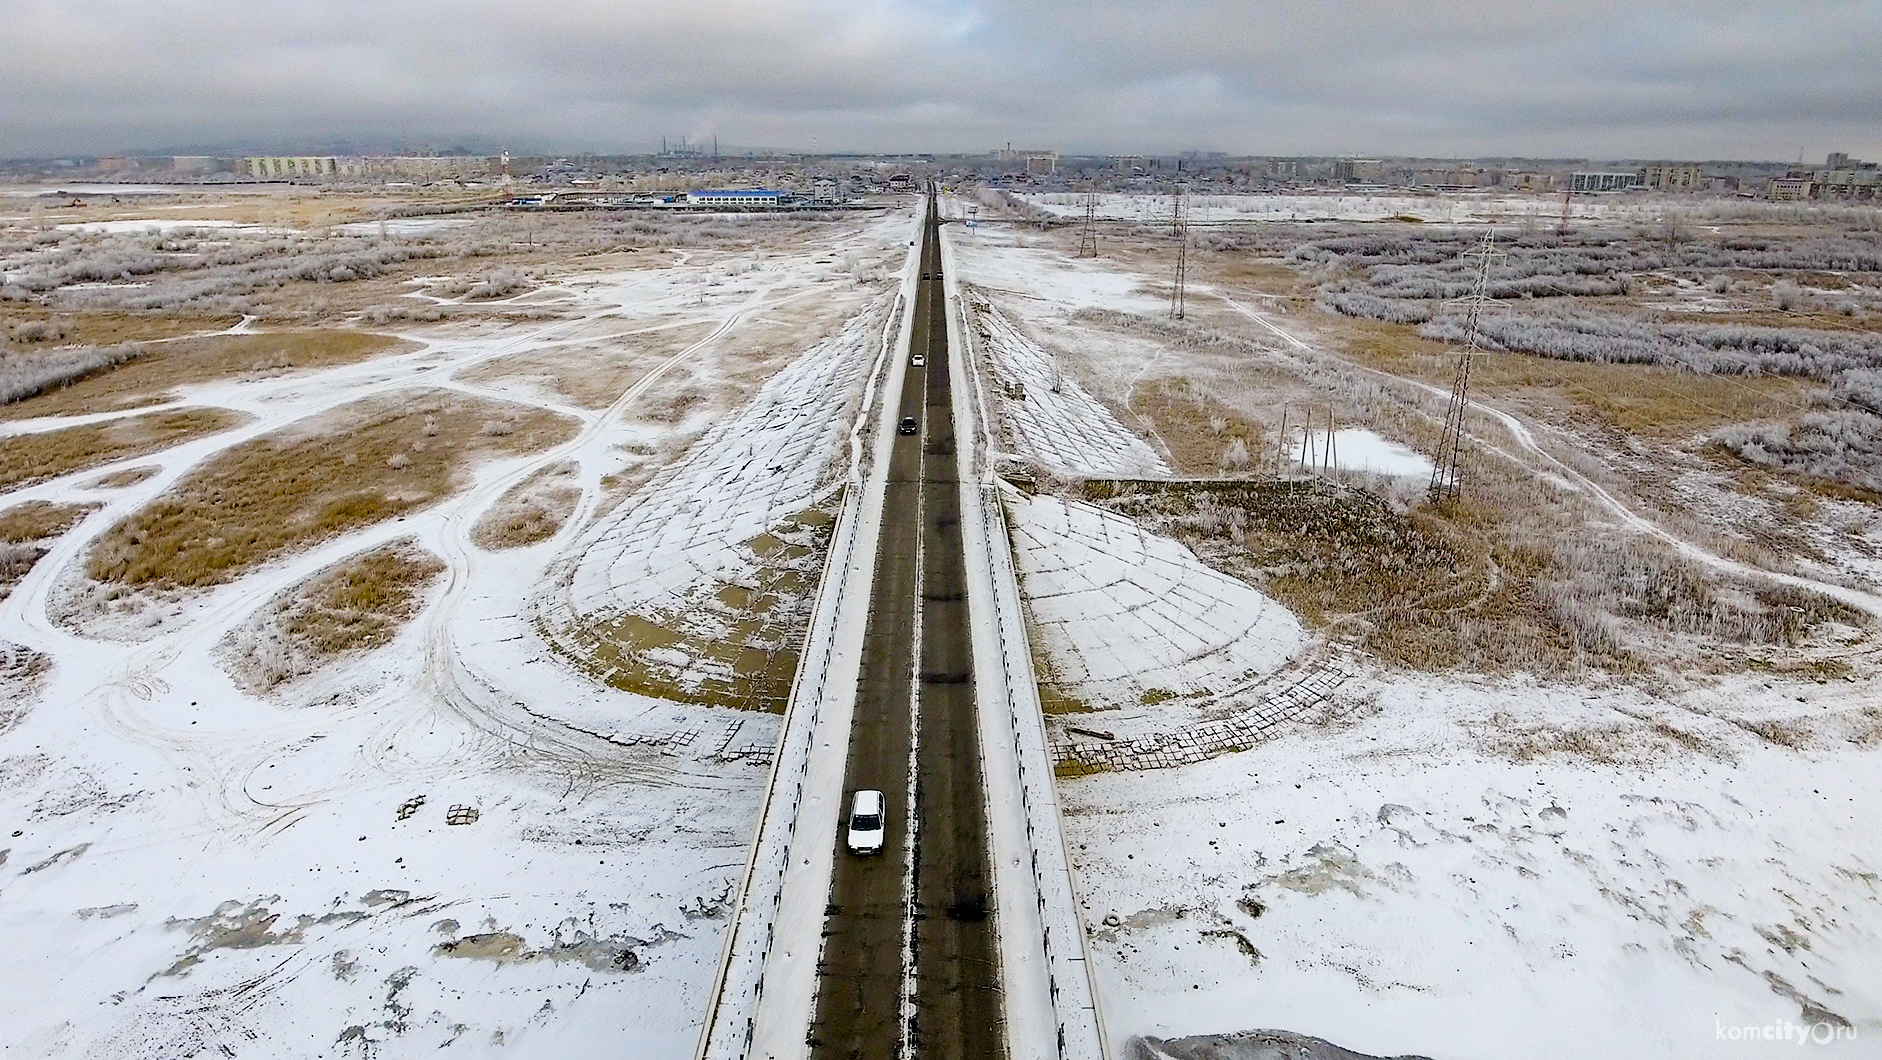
164, 366
363, 463
1197, 429
26, 533
30, 458
130, 476
1624, 744
39, 519
105, 327
1475, 586
1639, 399
592, 374
531, 511
354, 606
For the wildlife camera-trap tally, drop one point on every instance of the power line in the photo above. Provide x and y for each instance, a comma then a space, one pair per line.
1446, 471
1088, 239
1179, 224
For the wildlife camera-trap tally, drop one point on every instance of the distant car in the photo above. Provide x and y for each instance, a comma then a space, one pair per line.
920, 360
908, 426
866, 825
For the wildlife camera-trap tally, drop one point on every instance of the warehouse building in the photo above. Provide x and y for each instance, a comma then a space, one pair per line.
1605, 181
753, 197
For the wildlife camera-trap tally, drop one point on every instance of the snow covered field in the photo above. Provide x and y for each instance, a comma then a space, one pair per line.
1413, 879
1448, 865
1450, 207
450, 843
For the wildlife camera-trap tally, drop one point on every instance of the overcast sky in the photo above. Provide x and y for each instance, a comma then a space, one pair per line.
1599, 78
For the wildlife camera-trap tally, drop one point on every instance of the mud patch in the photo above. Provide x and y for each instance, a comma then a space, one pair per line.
569, 942
1247, 1045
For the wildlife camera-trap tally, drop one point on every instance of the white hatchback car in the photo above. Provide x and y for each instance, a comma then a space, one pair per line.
918, 361
866, 824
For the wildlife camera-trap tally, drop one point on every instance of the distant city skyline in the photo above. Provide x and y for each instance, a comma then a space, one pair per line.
1652, 79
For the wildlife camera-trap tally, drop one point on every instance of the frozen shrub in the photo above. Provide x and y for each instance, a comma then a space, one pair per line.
1719, 284
37, 331
1841, 446
1727, 348
398, 461
23, 377
499, 283
1372, 307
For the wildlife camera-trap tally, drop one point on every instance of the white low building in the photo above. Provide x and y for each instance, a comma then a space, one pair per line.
753, 197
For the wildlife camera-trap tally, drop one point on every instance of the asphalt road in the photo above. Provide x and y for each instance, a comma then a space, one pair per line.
918, 615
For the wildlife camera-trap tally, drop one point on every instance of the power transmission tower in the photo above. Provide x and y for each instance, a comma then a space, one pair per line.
1088, 239
1447, 470
1179, 222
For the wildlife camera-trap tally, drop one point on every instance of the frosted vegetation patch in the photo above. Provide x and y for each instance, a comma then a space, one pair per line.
1404, 277
215, 270
23, 376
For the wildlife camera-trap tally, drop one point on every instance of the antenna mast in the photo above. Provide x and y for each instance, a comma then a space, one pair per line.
1179, 222
1447, 470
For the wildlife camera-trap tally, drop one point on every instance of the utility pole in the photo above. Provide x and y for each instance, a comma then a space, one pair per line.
1088, 239
1280, 447
1179, 221
1447, 469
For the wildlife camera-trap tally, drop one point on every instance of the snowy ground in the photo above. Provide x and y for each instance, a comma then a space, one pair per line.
1127, 618
1453, 866
451, 843
1043, 414
1414, 880
1499, 207
1357, 449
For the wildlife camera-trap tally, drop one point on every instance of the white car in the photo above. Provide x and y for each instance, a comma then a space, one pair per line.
920, 360
866, 826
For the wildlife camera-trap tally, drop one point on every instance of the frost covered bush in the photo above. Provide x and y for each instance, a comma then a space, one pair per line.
1372, 307
1842, 446
22, 377
37, 331
498, 283
1726, 348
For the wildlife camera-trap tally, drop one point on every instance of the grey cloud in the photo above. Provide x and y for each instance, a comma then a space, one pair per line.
1649, 77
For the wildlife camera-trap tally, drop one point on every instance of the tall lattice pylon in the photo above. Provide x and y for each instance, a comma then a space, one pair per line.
1447, 469
1179, 223
1088, 237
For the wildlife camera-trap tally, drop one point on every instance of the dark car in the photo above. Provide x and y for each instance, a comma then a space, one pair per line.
908, 426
